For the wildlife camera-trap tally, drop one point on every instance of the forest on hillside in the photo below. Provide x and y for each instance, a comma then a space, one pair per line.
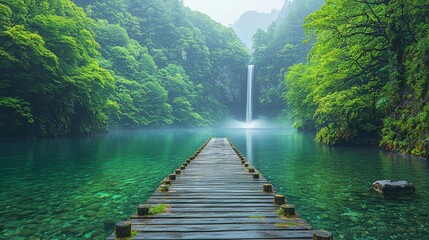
367, 76
79, 67
365, 79
277, 49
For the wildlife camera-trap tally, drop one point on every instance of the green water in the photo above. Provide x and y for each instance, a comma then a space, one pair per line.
77, 188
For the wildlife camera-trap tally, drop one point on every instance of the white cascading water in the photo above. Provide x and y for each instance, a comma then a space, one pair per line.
249, 94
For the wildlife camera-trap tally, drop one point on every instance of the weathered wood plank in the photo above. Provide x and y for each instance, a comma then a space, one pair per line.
226, 193
267, 234
246, 177
211, 205
244, 210
214, 221
219, 227
236, 182
196, 197
224, 201
251, 214
232, 189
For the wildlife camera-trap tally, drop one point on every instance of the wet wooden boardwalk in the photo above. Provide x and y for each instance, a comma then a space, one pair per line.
216, 197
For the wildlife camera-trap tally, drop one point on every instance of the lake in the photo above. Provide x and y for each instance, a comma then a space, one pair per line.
78, 188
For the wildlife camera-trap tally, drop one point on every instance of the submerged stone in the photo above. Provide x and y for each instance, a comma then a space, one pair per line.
72, 230
109, 224
27, 232
25, 213
389, 187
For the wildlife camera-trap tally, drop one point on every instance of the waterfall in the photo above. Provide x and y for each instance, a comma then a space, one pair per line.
249, 94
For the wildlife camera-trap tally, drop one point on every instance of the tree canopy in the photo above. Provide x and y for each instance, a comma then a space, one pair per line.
68, 69
51, 81
366, 78
278, 48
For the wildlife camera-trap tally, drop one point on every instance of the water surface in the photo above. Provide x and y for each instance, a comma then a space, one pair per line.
77, 188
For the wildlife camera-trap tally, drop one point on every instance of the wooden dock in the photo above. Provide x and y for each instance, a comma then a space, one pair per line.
217, 195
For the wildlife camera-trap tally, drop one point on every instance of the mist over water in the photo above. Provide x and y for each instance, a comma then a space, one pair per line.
259, 123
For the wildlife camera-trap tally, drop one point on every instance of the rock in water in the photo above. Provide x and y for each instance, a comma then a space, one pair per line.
389, 187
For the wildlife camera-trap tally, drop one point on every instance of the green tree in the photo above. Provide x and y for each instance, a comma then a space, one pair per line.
49, 67
366, 76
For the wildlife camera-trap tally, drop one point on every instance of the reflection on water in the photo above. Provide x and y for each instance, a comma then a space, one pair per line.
77, 188
249, 146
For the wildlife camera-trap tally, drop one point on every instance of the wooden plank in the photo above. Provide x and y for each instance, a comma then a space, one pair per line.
267, 234
214, 221
211, 205
220, 182
203, 196
212, 190
239, 182
231, 189
221, 209
224, 201
249, 193
214, 195
218, 227
221, 178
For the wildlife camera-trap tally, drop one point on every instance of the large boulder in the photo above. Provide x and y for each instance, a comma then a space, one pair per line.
389, 187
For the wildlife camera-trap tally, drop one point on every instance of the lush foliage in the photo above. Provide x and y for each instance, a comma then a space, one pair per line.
128, 63
367, 76
278, 48
50, 80
173, 66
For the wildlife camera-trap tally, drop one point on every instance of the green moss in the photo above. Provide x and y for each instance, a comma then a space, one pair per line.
281, 212
262, 218
406, 130
163, 188
157, 209
288, 224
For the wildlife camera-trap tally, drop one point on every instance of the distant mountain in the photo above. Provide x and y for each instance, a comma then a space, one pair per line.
250, 21
284, 11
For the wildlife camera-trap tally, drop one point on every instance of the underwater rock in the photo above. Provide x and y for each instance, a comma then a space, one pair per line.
25, 213
109, 224
72, 230
389, 187
27, 232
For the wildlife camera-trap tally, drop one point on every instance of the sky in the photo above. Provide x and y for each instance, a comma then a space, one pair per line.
228, 11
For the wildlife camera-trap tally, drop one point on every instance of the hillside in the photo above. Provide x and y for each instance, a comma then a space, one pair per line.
245, 27
69, 69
